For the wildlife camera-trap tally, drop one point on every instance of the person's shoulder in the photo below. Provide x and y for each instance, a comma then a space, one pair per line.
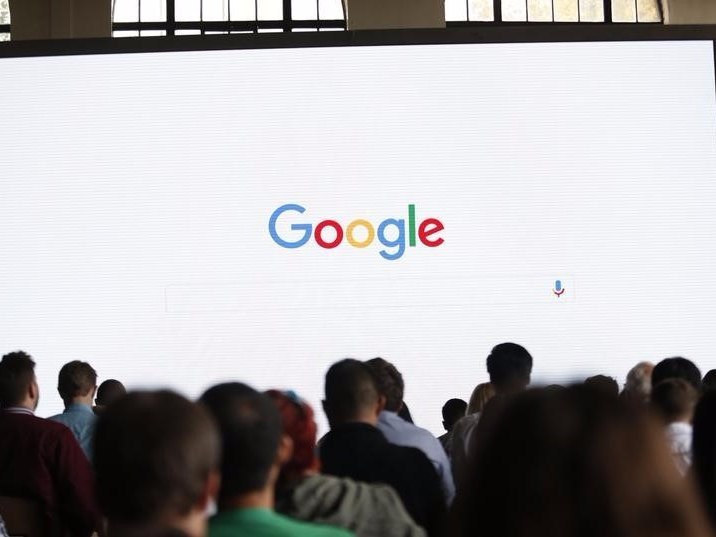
297, 528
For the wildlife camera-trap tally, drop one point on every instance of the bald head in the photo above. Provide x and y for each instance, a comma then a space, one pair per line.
351, 393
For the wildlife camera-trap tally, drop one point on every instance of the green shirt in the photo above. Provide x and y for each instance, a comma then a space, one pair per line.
266, 523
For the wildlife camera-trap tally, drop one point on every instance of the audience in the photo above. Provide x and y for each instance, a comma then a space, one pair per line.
452, 411
107, 393
510, 368
391, 388
77, 384
674, 401
573, 462
637, 387
40, 460
557, 461
157, 462
703, 468
253, 452
608, 385
679, 368
304, 493
355, 447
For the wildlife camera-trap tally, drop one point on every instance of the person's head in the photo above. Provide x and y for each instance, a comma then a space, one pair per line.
300, 426
156, 458
18, 385
389, 381
679, 368
453, 410
109, 391
351, 394
479, 398
564, 462
77, 383
704, 452
252, 443
638, 382
674, 400
608, 385
510, 367
709, 380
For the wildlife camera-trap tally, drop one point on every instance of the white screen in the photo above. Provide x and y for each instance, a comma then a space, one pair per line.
137, 191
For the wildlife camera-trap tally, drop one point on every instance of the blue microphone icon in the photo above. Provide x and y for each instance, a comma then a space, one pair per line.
558, 290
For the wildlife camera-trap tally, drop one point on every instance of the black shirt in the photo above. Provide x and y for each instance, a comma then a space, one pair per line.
361, 452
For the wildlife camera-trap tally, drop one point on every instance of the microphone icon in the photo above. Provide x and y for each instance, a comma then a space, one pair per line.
558, 289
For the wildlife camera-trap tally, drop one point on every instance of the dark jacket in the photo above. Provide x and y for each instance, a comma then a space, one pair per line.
361, 452
40, 460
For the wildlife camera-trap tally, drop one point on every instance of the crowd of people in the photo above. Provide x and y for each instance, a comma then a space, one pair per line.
582, 460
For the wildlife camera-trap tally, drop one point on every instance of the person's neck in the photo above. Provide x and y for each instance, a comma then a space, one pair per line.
367, 420
79, 400
258, 499
27, 404
191, 525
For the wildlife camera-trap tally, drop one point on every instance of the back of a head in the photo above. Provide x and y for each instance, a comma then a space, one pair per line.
638, 382
479, 398
110, 391
563, 463
153, 455
453, 410
298, 424
704, 451
350, 390
17, 371
709, 380
389, 381
607, 385
674, 400
510, 367
677, 367
76, 379
250, 427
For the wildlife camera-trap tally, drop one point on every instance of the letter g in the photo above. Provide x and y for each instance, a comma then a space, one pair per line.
306, 228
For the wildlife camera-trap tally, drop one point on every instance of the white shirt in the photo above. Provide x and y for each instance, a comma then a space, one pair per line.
679, 435
402, 433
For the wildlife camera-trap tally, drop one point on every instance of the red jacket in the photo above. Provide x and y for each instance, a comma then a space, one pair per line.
42, 461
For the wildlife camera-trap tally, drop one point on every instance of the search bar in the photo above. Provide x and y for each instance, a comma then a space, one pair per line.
376, 293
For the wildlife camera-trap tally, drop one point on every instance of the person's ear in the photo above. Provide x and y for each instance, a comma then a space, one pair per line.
381, 404
33, 390
210, 492
285, 450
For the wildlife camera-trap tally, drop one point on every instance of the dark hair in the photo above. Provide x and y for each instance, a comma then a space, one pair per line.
389, 382
250, 426
17, 371
608, 385
350, 388
76, 378
404, 413
709, 380
566, 462
153, 454
677, 367
673, 399
703, 448
509, 366
453, 410
109, 391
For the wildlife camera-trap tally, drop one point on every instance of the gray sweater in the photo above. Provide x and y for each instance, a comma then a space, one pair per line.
368, 510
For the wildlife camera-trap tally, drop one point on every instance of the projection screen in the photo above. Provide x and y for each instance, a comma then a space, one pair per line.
185, 218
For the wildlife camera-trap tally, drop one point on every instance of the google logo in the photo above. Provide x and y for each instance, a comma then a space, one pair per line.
423, 231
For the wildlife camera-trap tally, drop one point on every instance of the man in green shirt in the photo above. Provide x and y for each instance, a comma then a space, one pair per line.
254, 448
